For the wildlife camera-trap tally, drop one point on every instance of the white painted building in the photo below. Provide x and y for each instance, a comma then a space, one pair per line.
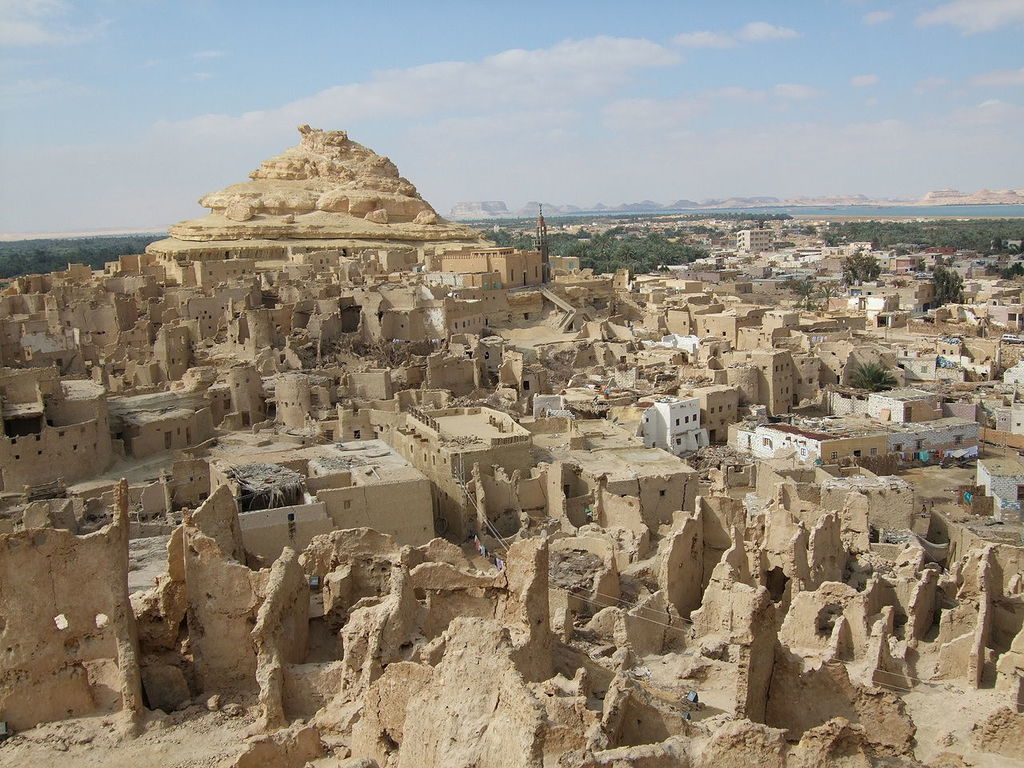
1014, 375
673, 424
1003, 479
688, 344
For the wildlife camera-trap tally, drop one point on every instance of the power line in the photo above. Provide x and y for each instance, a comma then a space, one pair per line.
633, 606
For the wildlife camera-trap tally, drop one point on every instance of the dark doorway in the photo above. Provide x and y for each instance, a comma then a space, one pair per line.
776, 582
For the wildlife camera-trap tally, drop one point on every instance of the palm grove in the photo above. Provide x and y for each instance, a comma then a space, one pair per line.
863, 268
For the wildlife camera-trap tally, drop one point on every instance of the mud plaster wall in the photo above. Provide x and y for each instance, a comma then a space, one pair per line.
66, 651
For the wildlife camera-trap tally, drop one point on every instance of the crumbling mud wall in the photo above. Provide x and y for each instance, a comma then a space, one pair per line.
804, 696
243, 625
67, 651
476, 708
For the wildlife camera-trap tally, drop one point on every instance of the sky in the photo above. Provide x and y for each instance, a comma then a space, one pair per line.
123, 113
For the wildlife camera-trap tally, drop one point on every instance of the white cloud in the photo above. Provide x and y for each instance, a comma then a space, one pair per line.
794, 92
762, 30
877, 17
517, 155
755, 31
569, 70
929, 84
739, 93
40, 22
201, 75
864, 81
989, 112
30, 87
782, 92
704, 39
102, 182
559, 124
973, 16
999, 77
652, 114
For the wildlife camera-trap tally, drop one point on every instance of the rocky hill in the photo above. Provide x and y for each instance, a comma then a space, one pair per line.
982, 197
328, 189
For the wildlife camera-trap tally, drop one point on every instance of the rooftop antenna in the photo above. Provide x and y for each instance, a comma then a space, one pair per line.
541, 241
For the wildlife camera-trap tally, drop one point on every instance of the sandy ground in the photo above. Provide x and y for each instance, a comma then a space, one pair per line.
937, 485
192, 738
524, 336
679, 673
944, 715
134, 471
147, 559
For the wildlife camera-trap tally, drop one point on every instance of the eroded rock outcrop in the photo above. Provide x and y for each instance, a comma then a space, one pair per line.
328, 192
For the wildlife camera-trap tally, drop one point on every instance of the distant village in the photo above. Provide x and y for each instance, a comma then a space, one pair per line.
354, 480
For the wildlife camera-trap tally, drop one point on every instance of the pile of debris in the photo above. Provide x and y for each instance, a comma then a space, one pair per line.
573, 569
266, 486
715, 457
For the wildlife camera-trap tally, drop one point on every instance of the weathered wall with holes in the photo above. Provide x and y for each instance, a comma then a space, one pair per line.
225, 599
66, 651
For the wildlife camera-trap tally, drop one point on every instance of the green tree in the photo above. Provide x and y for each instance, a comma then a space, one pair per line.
1017, 270
949, 286
805, 290
872, 376
577, 249
860, 268
827, 291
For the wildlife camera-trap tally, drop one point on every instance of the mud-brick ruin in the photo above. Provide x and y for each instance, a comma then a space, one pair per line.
325, 480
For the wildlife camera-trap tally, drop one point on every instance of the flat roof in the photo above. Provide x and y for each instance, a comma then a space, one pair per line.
906, 393
80, 389
468, 425
791, 430
151, 417
626, 462
155, 402
343, 456
1003, 465
917, 426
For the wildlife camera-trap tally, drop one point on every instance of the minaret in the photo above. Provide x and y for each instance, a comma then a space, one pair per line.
541, 241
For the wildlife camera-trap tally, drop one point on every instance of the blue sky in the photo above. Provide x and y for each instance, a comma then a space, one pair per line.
122, 113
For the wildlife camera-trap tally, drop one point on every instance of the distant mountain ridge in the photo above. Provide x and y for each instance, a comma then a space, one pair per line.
498, 208
482, 208
983, 197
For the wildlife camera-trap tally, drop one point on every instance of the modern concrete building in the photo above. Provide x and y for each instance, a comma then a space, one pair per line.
673, 424
753, 240
1002, 478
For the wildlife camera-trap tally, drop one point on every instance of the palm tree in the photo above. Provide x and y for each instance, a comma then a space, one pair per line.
805, 289
872, 376
827, 291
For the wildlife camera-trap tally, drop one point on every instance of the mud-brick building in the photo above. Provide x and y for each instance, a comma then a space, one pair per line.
445, 444
52, 429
